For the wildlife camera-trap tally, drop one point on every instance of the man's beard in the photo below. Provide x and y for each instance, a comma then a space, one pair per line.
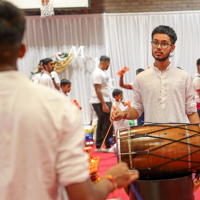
162, 59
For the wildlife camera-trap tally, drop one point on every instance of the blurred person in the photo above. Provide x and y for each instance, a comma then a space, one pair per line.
65, 86
37, 76
39, 131
55, 78
46, 78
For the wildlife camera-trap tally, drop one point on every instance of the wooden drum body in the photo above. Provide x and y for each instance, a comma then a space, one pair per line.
160, 150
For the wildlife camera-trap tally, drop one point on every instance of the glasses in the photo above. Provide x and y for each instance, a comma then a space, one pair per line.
163, 45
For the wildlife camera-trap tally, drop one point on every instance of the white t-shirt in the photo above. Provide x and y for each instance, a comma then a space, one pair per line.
46, 80
54, 75
100, 77
41, 140
166, 96
36, 78
196, 83
124, 123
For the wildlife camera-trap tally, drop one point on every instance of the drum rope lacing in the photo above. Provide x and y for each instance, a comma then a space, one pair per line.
173, 141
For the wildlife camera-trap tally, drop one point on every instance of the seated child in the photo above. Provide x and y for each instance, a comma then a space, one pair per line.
65, 86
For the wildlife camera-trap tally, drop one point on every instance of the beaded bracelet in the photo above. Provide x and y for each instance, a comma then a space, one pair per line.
112, 180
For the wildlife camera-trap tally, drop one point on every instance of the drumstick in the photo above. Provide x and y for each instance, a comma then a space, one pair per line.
110, 125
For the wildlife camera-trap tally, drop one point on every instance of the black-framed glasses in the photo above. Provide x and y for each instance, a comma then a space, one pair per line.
163, 45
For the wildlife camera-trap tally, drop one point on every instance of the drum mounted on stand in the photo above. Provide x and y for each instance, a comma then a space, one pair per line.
161, 152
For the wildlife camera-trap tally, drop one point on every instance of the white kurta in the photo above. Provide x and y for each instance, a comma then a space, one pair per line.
41, 140
164, 97
46, 80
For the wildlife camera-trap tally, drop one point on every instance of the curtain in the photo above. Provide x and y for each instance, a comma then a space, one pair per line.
126, 38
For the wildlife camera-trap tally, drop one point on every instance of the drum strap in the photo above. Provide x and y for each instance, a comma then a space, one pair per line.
129, 148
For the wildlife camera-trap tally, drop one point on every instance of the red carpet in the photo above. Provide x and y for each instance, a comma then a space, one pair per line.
109, 159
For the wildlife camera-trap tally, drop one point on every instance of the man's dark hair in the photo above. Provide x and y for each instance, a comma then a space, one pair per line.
12, 23
41, 61
64, 82
46, 61
12, 26
198, 62
165, 30
104, 58
116, 92
139, 70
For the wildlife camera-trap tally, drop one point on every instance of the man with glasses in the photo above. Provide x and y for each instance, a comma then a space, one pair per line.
164, 93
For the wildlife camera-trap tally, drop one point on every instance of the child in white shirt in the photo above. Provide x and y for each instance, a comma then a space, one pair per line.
117, 104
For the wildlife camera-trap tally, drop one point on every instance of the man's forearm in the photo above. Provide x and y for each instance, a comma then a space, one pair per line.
100, 97
131, 114
194, 118
57, 86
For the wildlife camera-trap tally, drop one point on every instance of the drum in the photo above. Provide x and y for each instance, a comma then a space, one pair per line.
160, 150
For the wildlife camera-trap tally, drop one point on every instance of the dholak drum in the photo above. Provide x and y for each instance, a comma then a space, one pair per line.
160, 150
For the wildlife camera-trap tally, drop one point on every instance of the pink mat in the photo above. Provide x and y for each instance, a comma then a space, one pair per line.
108, 160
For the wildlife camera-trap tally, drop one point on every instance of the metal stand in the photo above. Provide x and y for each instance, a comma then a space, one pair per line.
167, 189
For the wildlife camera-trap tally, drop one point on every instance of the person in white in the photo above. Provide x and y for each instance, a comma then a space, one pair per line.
140, 120
56, 79
165, 93
196, 83
118, 105
65, 86
41, 136
54, 75
101, 102
46, 78
37, 76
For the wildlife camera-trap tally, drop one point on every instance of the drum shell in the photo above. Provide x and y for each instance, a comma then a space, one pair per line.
160, 151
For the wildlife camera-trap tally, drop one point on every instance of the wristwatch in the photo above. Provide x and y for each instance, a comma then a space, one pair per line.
53, 79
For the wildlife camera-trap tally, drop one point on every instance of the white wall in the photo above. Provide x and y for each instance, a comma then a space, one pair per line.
32, 4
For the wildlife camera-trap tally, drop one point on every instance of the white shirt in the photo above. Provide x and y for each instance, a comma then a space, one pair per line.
54, 75
36, 78
46, 80
166, 96
100, 77
41, 140
196, 83
131, 85
121, 123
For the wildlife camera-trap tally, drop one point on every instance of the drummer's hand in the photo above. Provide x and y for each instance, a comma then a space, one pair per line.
117, 115
122, 175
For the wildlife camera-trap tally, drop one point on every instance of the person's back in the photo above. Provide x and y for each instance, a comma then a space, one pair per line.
41, 136
31, 130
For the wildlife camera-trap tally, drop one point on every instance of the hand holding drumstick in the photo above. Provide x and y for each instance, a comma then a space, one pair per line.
110, 124
117, 115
